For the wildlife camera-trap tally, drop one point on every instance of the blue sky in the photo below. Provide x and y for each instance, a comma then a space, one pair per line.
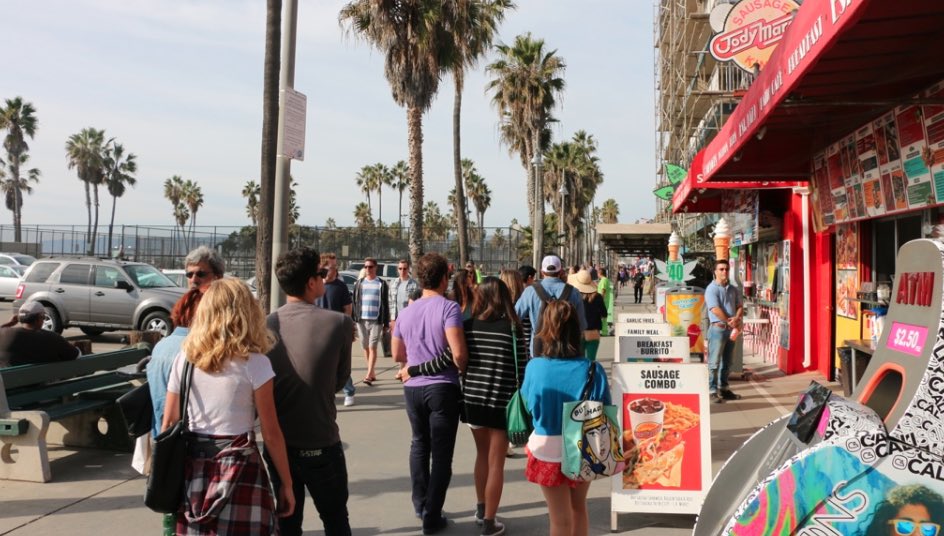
179, 83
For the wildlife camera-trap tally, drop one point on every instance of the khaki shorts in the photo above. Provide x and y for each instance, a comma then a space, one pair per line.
369, 332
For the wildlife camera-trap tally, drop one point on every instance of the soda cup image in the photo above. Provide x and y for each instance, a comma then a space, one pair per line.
646, 416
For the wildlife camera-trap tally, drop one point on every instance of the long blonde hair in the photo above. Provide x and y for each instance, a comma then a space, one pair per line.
229, 324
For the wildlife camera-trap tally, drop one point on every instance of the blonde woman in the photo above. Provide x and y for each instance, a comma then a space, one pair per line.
227, 488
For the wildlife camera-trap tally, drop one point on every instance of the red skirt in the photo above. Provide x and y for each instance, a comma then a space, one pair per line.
546, 473
227, 489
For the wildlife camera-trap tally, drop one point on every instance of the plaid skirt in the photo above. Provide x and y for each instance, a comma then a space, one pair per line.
227, 489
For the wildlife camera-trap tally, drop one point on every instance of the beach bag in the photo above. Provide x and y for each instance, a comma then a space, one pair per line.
592, 439
517, 418
137, 410
165, 484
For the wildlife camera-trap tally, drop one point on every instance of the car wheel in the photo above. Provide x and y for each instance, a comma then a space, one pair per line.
52, 321
92, 332
157, 321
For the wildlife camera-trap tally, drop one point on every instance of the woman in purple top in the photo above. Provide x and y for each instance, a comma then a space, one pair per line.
422, 333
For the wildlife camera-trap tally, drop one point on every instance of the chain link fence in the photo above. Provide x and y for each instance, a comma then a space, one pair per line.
166, 246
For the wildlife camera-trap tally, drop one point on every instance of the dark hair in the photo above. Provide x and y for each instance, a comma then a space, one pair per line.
370, 259
416, 294
527, 272
899, 497
559, 334
515, 283
461, 292
602, 271
295, 267
492, 301
186, 308
406, 261
719, 262
430, 270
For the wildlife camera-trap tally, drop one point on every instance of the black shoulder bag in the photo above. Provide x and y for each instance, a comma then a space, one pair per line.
165, 485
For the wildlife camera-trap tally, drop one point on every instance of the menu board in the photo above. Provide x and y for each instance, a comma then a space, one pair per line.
869, 172
914, 148
934, 127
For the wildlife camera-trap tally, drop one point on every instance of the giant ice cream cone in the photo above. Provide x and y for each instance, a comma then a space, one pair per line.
722, 239
673, 253
675, 243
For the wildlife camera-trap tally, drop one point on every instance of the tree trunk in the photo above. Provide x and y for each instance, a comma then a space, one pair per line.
270, 118
111, 223
529, 168
379, 205
17, 198
461, 221
88, 209
95, 223
481, 218
400, 214
415, 141
538, 202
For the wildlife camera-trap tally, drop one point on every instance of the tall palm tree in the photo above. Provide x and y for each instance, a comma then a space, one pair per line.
251, 192
270, 129
13, 190
382, 177
526, 84
174, 192
417, 43
192, 196
294, 212
609, 211
362, 216
400, 174
119, 174
476, 23
84, 153
19, 120
481, 196
181, 215
365, 180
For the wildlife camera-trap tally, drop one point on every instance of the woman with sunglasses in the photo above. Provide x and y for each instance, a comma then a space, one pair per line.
908, 510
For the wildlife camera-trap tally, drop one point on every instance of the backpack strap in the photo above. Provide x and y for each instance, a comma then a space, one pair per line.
565, 294
539, 290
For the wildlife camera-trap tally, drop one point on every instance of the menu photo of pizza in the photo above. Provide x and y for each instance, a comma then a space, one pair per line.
662, 441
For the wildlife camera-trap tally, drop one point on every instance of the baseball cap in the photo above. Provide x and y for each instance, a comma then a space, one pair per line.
30, 309
551, 264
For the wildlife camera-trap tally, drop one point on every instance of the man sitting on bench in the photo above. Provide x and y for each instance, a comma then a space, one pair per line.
30, 343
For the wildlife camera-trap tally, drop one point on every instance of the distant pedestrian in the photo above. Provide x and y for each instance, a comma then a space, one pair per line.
725, 313
28, 343
462, 286
372, 313
401, 290
512, 279
202, 266
530, 303
594, 312
605, 288
337, 298
312, 361
227, 489
166, 350
422, 333
527, 274
555, 376
476, 273
638, 280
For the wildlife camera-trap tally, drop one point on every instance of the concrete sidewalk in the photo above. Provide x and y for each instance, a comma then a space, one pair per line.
97, 492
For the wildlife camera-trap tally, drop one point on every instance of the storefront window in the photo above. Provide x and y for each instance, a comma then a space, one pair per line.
889, 236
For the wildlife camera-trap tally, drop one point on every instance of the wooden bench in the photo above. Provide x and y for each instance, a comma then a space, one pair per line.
75, 394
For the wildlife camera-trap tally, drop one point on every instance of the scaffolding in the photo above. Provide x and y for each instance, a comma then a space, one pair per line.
694, 92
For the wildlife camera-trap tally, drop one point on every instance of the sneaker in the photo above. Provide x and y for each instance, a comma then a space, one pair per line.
479, 513
349, 401
492, 527
434, 526
728, 394
716, 398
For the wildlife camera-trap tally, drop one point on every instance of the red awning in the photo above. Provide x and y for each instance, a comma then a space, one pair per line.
840, 64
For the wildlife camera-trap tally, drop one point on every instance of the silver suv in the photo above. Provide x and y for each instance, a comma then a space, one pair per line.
98, 295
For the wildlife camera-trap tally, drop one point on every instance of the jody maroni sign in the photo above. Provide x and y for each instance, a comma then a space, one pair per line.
748, 31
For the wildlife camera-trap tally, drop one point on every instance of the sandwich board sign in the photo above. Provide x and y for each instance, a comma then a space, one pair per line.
642, 330
640, 318
659, 349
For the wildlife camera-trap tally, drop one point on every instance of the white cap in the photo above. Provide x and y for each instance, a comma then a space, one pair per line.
30, 309
551, 264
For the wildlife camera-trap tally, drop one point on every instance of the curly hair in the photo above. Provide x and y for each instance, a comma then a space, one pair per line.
229, 324
898, 498
430, 270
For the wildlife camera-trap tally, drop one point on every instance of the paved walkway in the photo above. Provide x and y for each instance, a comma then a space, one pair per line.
97, 492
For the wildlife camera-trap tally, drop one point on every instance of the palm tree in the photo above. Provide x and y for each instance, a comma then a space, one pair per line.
84, 153
10, 187
481, 196
119, 174
417, 44
294, 211
436, 226
362, 216
19, 120
174, 192
382, 177
192, 196
251, 192
609, 211
526, 83
270, 129
400, 174
476, 23
365, 180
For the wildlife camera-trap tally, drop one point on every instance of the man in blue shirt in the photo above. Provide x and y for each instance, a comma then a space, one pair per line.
529, 304
725, 311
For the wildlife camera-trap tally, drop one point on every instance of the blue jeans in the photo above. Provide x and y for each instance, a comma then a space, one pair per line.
434, 417
720, 353
348, 388
324, 473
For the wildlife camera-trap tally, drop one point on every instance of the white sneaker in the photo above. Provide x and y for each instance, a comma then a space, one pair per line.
349, 401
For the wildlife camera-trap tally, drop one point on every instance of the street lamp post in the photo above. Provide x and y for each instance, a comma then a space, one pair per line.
537, 225
560, 216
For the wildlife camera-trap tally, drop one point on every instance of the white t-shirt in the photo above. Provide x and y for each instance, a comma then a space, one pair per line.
222, 403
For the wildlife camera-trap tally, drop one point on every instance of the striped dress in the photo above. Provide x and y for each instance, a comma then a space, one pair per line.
489, 380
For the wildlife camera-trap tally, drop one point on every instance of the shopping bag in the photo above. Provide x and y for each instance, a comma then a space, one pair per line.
517, 419
592, 439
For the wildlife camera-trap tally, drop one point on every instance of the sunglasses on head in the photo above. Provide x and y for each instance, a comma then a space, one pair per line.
907, 527
199, 273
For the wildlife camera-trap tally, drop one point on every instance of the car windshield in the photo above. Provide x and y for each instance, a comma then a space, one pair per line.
147, 276
25, 260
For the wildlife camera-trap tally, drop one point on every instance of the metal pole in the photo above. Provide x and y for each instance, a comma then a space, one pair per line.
537, 227
283, 166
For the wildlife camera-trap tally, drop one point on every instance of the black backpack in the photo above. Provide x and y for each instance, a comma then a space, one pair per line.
546, 298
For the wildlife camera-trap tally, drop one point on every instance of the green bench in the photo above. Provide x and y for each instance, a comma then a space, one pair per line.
78, 395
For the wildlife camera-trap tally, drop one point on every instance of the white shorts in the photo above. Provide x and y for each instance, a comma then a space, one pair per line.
369, 332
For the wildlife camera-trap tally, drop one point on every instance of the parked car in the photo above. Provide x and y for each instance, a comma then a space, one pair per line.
10, 275
385, 270
17, 259
178, 276
349, 277
98, 295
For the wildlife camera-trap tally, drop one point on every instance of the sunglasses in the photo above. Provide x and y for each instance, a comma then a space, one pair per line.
402, 268
200, 273
323, 273
907, 527
721, 269
370, 266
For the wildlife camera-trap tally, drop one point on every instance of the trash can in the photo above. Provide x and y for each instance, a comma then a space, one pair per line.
845, 372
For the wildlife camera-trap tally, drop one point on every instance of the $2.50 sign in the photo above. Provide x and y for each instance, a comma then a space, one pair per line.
907, 338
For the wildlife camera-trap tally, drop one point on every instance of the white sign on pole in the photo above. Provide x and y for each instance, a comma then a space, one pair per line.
640, 318
642, 330
662, 349
666, 438
293, 135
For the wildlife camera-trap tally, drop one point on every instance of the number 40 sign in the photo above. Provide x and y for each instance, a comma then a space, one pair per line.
907, 338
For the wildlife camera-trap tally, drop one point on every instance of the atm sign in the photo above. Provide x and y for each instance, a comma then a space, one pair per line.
915, 288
